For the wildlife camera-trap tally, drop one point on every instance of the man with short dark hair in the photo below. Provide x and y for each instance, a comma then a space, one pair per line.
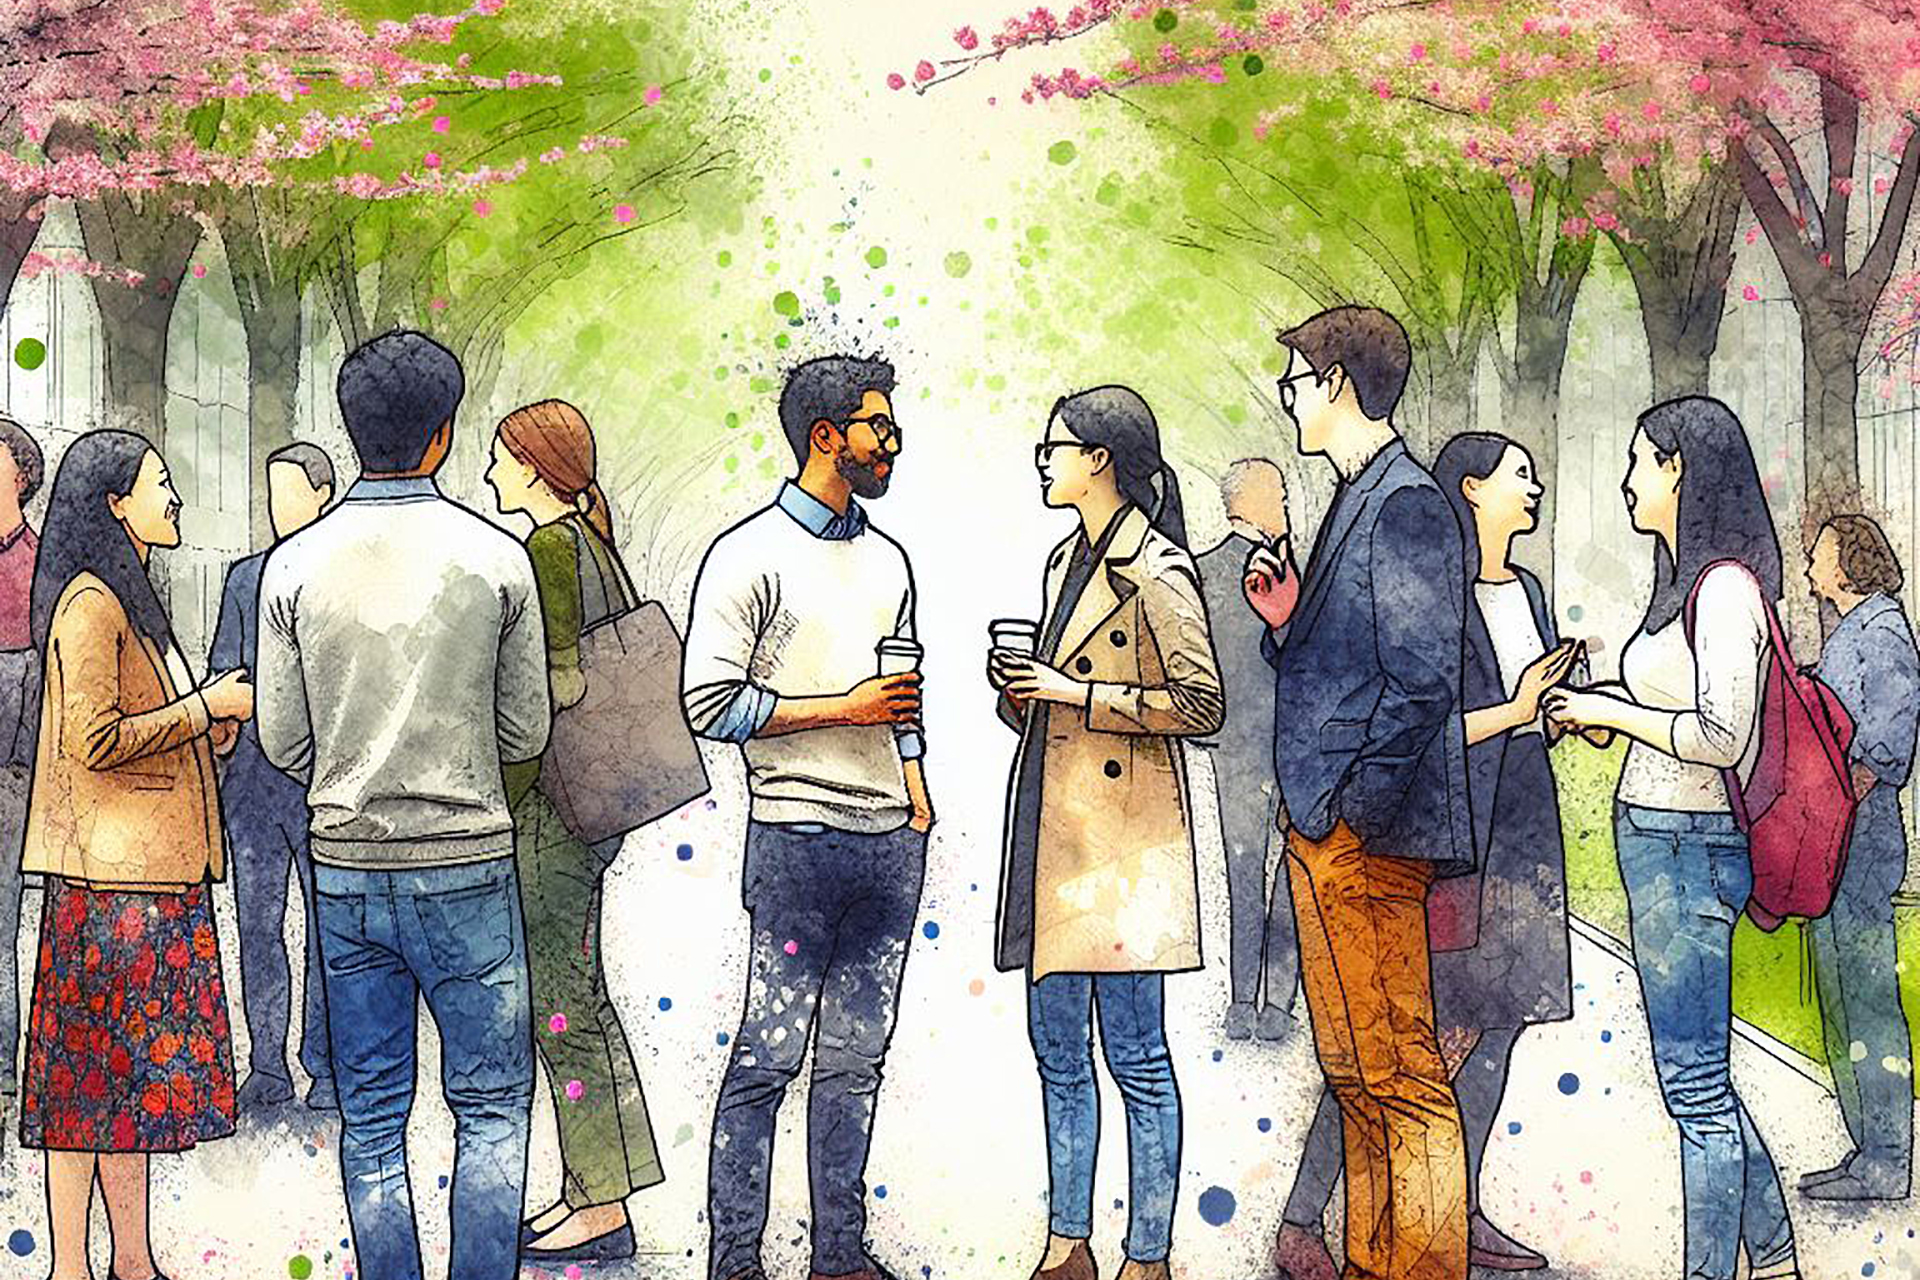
1370, 752
794, 611
266, 816
1871, 665
22, 469
402, 662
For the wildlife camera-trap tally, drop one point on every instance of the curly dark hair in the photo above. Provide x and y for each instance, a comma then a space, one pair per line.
27, 458
1867, 560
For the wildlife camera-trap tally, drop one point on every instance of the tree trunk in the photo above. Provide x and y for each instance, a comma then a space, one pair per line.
1680, 267
1830, 379
273, 398
17, 233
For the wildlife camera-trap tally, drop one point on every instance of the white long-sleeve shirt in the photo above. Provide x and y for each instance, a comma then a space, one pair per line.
793, 602
1713, 688
402, 661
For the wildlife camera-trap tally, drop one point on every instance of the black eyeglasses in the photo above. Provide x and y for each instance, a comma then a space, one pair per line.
1286, 389
1044, 450
885, 429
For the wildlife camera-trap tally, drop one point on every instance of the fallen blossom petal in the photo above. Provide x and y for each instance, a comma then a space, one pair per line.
623, 213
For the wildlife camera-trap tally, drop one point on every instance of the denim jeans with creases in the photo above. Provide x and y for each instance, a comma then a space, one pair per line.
1132, 1010
1687, 877
453, 934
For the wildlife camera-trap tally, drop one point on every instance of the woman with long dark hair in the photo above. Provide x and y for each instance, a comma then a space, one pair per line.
1689, 704
1099, 893
1501, 951
128, 1050
543, 468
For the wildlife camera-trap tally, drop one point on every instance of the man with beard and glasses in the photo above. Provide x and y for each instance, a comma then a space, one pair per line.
794, 611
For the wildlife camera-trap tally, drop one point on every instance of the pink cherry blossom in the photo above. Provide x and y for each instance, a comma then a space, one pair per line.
442, 123
481, 208
557, 1023
924, 71
575, 1090
966, 38
896, 81
431, 160
652, 96
623, 213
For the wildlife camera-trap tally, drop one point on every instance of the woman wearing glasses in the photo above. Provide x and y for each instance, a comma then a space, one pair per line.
1098, 895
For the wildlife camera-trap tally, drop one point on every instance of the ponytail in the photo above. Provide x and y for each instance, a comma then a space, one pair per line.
592, 504
1118, 420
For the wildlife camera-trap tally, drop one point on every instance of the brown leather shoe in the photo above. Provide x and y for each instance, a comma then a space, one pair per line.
1161, 1270
1301, 1254
872, 1271
1078, 1266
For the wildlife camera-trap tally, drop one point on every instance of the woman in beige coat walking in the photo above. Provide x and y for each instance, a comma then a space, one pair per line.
1099, 896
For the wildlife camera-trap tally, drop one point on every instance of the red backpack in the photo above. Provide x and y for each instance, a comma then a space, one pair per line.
1797, 809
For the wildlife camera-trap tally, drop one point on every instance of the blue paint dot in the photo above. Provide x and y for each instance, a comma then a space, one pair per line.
21, 1242
1119, 1203
443, 1182
1513, 1126
684, 853
1606, 1037
666, 1003
931, 929
881, 1191
722, 1038
1217, 1055
973, 888
1569, 1083
1866, 1268
1216, 1206
1266, 1125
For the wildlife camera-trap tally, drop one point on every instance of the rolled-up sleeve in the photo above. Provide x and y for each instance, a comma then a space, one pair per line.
279, 684
730, 608
1730, 639
523, 704
1190, 702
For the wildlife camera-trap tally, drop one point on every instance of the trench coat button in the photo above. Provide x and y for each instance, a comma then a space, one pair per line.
1083, 665
1119, 639
1113, 768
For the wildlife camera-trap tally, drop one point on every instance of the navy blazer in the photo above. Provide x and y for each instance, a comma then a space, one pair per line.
1483, 688
236, 638
1368, 680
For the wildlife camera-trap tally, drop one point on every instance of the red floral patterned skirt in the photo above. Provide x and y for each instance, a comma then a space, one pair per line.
128, 1046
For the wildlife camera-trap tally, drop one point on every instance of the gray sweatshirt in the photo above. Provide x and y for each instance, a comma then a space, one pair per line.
402, 661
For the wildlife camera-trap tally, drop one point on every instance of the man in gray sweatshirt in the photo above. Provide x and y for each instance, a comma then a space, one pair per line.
402, 661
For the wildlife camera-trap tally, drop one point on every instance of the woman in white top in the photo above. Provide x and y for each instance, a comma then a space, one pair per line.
1689, 706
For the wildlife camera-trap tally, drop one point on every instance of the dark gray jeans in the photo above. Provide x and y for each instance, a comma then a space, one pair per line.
832, 916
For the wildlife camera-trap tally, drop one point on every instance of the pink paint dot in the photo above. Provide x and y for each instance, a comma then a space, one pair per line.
574, 1090
199, 271
1750, 293
623, 213
441, 124
653, 95
1586, 1177
573, 1271
481, 208
432, 160
366, 144
896, 81
438, 304
1700, 83
557, 1023
793, 948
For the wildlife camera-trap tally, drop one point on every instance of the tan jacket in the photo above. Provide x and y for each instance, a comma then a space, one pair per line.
1112, 886
123, 781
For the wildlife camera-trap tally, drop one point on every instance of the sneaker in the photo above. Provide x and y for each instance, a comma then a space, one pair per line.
1488, 1246
1301, 1254
1273, 1023
1828, 1175
1240, 1020
322, 1095
262, 1091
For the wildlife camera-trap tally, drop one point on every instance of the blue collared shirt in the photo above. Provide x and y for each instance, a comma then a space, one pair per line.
753, 705
1871, 663
819, 519
391, 490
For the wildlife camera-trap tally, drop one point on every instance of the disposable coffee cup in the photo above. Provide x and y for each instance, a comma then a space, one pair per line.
1015, 635
899, 655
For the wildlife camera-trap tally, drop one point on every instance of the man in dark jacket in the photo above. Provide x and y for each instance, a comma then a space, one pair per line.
266, 814
1370, 752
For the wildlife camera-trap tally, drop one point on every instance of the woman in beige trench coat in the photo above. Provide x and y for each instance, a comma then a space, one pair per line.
1098, 893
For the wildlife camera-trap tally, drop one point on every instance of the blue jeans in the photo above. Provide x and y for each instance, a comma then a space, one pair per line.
1687, 877
1132, 1009
455, 935
833, 914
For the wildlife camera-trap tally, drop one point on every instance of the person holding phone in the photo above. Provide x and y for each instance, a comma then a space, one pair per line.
1099, 894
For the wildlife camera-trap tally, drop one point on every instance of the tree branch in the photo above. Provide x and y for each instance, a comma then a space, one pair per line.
1876, 268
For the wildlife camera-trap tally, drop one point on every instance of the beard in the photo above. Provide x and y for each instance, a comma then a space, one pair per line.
863, 477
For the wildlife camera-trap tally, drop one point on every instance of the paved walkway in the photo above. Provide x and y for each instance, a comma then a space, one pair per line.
1584, 1164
